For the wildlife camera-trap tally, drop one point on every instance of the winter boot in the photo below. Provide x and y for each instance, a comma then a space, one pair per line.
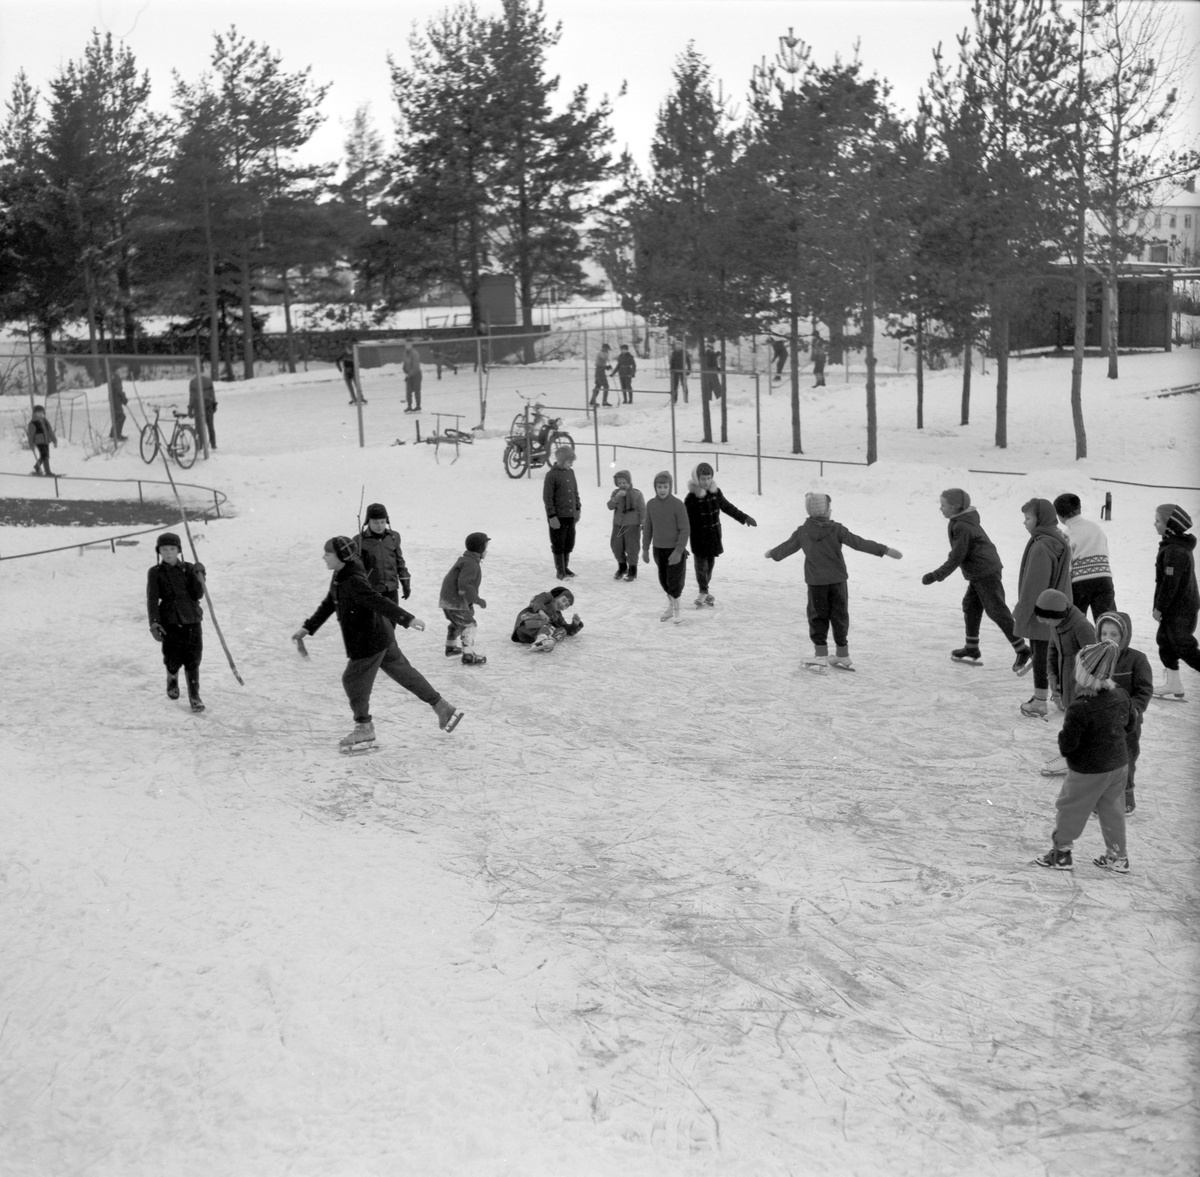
448, 717
1172, 687
968, 653
622, 569
1057, 859
470, 658
193, 689
669, 611
1034, 708
1024, 663
453, 651
173, 686
631, 574
361, 738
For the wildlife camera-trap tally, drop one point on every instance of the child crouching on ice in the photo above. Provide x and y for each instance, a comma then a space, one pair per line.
1093, 739
460, 595
629, 514
821, 540
541, 623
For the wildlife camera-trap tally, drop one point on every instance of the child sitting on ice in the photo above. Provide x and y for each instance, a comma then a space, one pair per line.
542, 625
821, 540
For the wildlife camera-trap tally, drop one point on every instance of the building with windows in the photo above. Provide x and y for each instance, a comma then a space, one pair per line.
1173, 229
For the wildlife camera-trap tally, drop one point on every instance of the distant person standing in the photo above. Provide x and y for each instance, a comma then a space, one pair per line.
41, 437
680, 365
412, 378
117, 400
779, 348
710, 372
202, 397
600, 375
626, 369
818, 358
345, 365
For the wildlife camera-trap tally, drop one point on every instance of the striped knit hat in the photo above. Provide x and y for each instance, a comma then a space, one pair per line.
817, 505
1094, 665
1177, 519
342, 548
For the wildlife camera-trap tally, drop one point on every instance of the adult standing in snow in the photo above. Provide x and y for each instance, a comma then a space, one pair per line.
174, 590
704, 503
626, 369
363, 615
818, 360
1045, 564
780, 351
1176, 599
680, 364
202, 398
560, 496
412, 378
117, 400
1091, 573
974, 553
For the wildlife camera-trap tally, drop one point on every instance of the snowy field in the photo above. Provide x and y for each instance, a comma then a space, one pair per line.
665, 903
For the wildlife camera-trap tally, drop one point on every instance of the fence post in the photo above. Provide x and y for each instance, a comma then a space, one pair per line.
758, 428
674, 468
140, 499
55, 485
528, 445
596, 431
358, 399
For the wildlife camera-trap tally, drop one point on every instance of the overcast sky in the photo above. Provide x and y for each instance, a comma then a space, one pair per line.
605, 43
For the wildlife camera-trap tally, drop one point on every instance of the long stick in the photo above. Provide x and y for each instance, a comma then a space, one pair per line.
212, 612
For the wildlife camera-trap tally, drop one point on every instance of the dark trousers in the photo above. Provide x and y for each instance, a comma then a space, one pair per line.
625, 543
562, 543
829, 604
601, 387
359, 677
986, 595
1133, 745
183, 646
412, 390
704, 570
1177, 640
1041, 663
42, 460
209, 410
118, 422
678, 385
1096, 594
671, 576
348, 376
626, 389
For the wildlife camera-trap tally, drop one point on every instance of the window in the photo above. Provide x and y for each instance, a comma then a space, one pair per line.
1172, 222
1158, 253
1187, 221
1157, 221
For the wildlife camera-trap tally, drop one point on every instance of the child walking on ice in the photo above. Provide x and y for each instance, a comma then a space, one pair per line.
460, 595
667, 531
174, 590
1176, 599
370, 642
821, 540
41, 437
629, 514
704, 504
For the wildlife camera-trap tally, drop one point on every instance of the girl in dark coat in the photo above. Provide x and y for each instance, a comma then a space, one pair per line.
704, 504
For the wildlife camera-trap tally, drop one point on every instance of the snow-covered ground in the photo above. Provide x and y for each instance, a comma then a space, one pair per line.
664, 903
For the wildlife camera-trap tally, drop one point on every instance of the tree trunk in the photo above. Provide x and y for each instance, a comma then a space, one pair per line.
247, 314
794, 343
705, 391
1112, 315
51, 371
965, 414
869, 345
214, 325
127, 321
1081, 293
724, 395
287, 323
920, 370
1000, 339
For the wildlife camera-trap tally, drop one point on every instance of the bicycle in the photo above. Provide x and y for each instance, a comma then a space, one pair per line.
182, 445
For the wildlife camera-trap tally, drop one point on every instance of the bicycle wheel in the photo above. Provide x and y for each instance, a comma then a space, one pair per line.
184, 448
148, 443
514, 460
554, 441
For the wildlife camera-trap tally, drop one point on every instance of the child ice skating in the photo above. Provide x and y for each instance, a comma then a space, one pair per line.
560, 496
1091, 573
1093, 739
1134, 676
1176, 599
628, 506
667, 532
975, 555
41, 437
825, 574
704, 503
174, 590
1045, 564
363, 615
460, 595
542, 624
383, 558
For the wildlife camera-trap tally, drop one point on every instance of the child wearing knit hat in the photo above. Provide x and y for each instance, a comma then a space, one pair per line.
1134, 676
1070, 631
460, 595
667, 531
382, 556
821, 540
628, 506
1176, 599
1045, 563
1093, 739
974, 553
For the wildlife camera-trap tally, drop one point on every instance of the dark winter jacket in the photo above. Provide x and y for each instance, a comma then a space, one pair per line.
626, 365
704, 519
1175, 592
628, 507
174, 593
680, 360
386, 570
40, 432
539, 613
1094, 730
821, 541
362, 613
1132, 674
460, 586
1045, 564
1067, 638
970, 549
560, 493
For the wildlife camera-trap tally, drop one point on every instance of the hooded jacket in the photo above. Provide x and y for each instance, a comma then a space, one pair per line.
385, 568
628, 507
1175, 590
970, 549
1094, 730
667, 523
822, 540
1045, 564
1132, 672
1067, 638
704, 509
362, 613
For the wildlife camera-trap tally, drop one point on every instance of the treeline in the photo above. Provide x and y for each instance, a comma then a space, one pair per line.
1040, 138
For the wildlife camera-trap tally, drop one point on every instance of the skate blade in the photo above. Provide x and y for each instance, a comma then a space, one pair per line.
358, 749
966, 661
835, 666
1171, 698
816, 667
453, 721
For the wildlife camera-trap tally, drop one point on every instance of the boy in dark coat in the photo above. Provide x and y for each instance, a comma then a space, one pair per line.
1045, 564
667, 531
1134, 676
41, 437
1093, 739
370, 642
821, 540
560, 496
680, 364
542, 623
704, 504
628, 506
386, 570
626, 369
174, 590
1176, 599
460, 595
974, 553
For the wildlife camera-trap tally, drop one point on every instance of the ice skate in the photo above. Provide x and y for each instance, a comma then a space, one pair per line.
1024, 663
620, 573
631, 575
818, 664
967, 654
841, 662
699, 602
544, 643
172, 686
361, 739
453, 651
1055, 767
1056, 859
1034, 708
709, 600
470, 658
669, 612
448, 717
1111, 862
1172, 687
